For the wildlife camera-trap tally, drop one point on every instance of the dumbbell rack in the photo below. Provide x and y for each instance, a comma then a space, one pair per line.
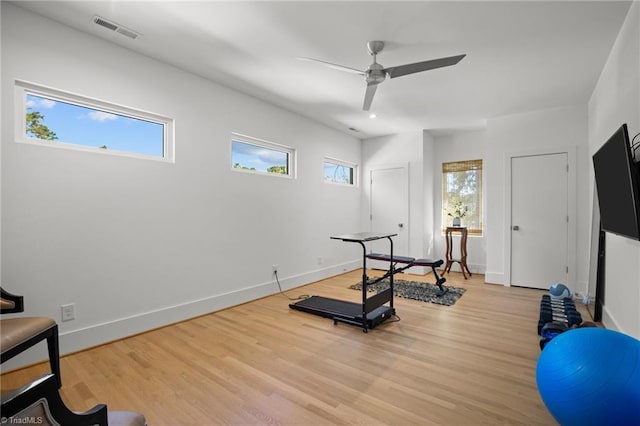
561, 311
556, 317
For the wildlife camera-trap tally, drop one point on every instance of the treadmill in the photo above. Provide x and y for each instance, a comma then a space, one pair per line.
372, 311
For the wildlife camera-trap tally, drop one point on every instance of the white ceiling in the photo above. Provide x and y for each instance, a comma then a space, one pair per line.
521, 56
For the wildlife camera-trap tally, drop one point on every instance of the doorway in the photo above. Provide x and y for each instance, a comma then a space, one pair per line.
388, 212
539, 220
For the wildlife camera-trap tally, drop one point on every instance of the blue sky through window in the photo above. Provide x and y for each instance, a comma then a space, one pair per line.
249, 156
79, 125
337, 173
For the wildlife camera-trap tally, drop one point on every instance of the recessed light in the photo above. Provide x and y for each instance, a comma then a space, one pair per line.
372, 115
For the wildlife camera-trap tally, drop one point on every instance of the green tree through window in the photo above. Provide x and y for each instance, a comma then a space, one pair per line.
36, 128
261, 157
278, 170
462, 194
72, 121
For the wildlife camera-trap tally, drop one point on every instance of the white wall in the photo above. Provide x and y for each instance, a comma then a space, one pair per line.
547, 130
470, 145
137, 244
431, 193
523, 133
550, 130
407, 149
616, 100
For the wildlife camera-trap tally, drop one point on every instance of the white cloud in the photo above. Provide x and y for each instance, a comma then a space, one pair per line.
47, 103
102, 116
40, 102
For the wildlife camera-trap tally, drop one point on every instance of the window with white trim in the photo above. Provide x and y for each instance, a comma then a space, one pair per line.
462, 195
338, 171
258, 156
50, 117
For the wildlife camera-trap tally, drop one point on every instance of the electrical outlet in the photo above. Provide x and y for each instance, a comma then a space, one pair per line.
68, 312
275, 268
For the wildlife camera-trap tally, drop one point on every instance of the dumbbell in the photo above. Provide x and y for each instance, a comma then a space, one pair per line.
562, 310
548, 318
549, 331
559, 312
542, 323
566, 301
547, 298
546, 313
558, 306
570, 318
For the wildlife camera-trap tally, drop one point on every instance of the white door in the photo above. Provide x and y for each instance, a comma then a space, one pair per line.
539, 220
388, 211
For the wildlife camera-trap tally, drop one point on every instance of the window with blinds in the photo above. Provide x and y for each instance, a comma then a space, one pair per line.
462, 195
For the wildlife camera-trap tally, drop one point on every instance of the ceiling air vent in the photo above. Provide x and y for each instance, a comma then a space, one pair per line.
110, 25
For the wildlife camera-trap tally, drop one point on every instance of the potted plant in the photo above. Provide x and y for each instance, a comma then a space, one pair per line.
457, 211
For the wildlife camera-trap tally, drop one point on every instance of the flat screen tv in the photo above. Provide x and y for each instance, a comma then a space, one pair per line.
618, 185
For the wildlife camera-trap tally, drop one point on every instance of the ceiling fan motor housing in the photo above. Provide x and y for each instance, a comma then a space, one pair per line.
375, 74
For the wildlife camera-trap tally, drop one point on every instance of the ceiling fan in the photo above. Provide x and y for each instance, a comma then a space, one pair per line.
376, 73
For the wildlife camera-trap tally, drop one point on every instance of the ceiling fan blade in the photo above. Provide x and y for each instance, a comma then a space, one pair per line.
334, 66
368, 95
401, 70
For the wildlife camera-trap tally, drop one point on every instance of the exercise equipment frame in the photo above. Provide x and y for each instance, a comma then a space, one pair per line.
372, 311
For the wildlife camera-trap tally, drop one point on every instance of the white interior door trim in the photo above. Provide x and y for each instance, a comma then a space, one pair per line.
405, 196
571, 202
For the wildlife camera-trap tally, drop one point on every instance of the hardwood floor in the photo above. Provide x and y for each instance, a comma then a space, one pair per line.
263, 363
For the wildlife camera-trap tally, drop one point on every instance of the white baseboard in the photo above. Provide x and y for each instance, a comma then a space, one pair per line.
473, 268
495, 278
98, 334
581, 288
417, 270
609, 321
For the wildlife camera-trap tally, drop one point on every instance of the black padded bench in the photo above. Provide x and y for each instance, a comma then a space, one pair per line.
410, 262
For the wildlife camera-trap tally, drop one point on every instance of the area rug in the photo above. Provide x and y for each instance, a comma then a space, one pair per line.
415, 290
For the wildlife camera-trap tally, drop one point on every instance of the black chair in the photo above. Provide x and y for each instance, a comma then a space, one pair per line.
39, 403
21, 333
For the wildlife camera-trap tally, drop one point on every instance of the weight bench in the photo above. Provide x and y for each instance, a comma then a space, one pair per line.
410, 262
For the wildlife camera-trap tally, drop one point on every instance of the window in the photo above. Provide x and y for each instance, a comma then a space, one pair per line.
254, 155
51, 117
462, 194
336, 171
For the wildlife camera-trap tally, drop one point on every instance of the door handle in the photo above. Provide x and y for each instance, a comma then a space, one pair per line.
515, 227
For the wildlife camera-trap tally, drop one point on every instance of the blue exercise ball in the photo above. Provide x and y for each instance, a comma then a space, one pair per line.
591, 376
